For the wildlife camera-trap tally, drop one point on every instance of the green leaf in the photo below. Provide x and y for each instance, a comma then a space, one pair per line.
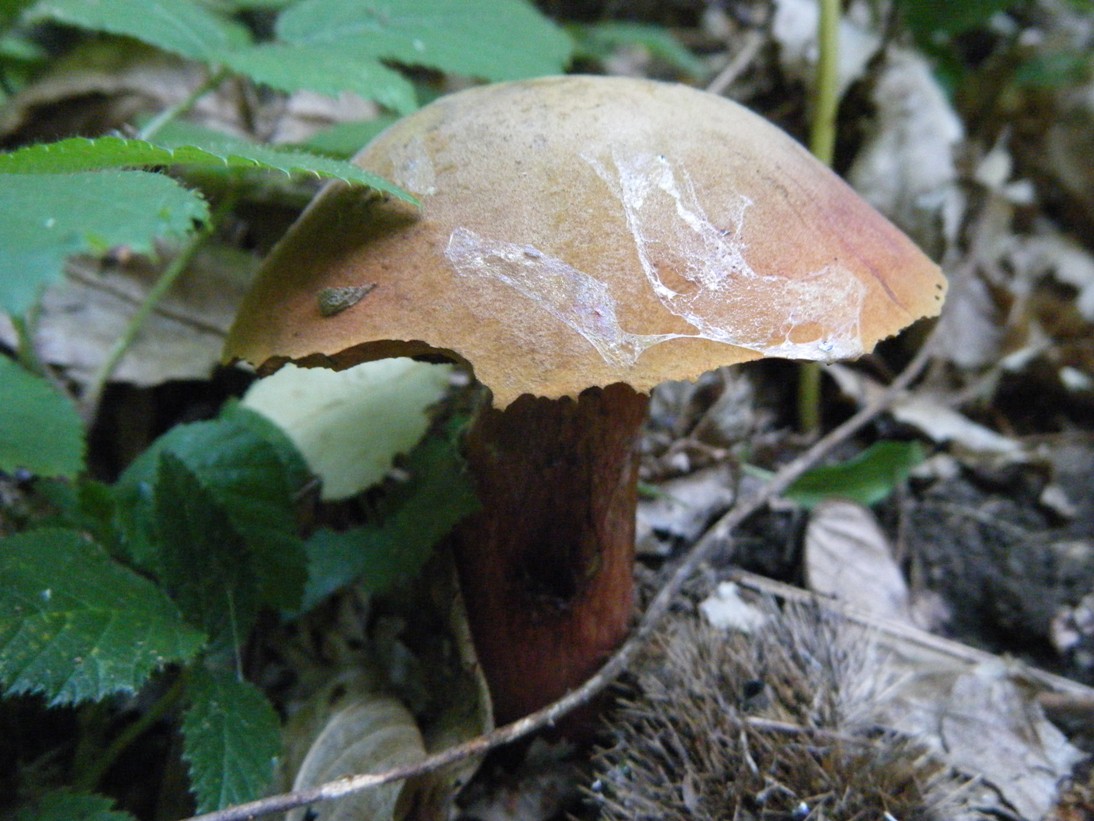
346, 139
75, 625
231, 738
327, 68
492, 39
867, 479
439, 495
926, 18
600, 40
203, 560
82, 154
85, 505
179, 26
40, 430
253, 474
66, 805
10, 9
48, 218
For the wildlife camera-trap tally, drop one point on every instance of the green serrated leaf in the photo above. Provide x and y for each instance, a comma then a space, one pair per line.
86, 506
75, 625
67, 805
40, 430
48, 218
203, 560
247, 475
867, 479
440, 495
83, 154
179, 26
492, 39
231, 738
328, 68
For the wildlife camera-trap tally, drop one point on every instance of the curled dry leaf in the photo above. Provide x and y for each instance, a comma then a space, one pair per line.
364, 732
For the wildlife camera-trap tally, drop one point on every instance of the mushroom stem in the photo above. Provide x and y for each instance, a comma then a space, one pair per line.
546, 565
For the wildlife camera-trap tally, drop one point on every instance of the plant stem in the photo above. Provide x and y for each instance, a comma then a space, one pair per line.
822, 134
152, 127
90, 773
822, 142
25, 351
171, 273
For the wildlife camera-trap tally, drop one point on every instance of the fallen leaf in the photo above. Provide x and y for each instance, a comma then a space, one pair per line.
848, 558
682, 508
349, 425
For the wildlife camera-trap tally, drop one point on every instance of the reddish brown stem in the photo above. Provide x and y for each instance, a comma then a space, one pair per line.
546, 565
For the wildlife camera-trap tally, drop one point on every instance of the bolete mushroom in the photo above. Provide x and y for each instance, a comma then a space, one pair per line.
580, 240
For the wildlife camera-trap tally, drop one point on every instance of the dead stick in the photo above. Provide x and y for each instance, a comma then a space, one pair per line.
626, 654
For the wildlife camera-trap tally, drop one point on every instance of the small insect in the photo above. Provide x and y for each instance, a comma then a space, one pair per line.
335, 300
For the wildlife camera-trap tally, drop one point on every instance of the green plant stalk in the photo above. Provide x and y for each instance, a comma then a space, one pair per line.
89, 773
152, 127
162, 285
822, 142
25, 350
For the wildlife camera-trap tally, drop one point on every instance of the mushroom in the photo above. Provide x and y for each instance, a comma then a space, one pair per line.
580, 240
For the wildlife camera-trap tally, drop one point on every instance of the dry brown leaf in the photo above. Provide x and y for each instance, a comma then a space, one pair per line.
366, 732
82, 318
992, 726
906, 167
682, 508
848, 558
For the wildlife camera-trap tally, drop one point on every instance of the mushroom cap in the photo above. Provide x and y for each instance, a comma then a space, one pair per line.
583, 231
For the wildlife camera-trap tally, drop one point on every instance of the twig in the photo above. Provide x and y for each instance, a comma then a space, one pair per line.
623, 658
745, 55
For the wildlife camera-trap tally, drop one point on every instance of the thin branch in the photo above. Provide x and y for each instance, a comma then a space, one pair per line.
624, 657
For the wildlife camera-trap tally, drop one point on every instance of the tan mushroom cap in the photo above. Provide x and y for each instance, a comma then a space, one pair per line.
582, 231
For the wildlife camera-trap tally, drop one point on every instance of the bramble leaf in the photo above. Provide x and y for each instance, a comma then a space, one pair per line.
252, 471
83, 154
326, 68
470, 37
204, 561
231, 738
439, 495
180, 26
48, 218
67, 805
75, 625
40, 430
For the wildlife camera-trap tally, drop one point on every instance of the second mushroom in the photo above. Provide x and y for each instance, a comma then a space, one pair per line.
580, 240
